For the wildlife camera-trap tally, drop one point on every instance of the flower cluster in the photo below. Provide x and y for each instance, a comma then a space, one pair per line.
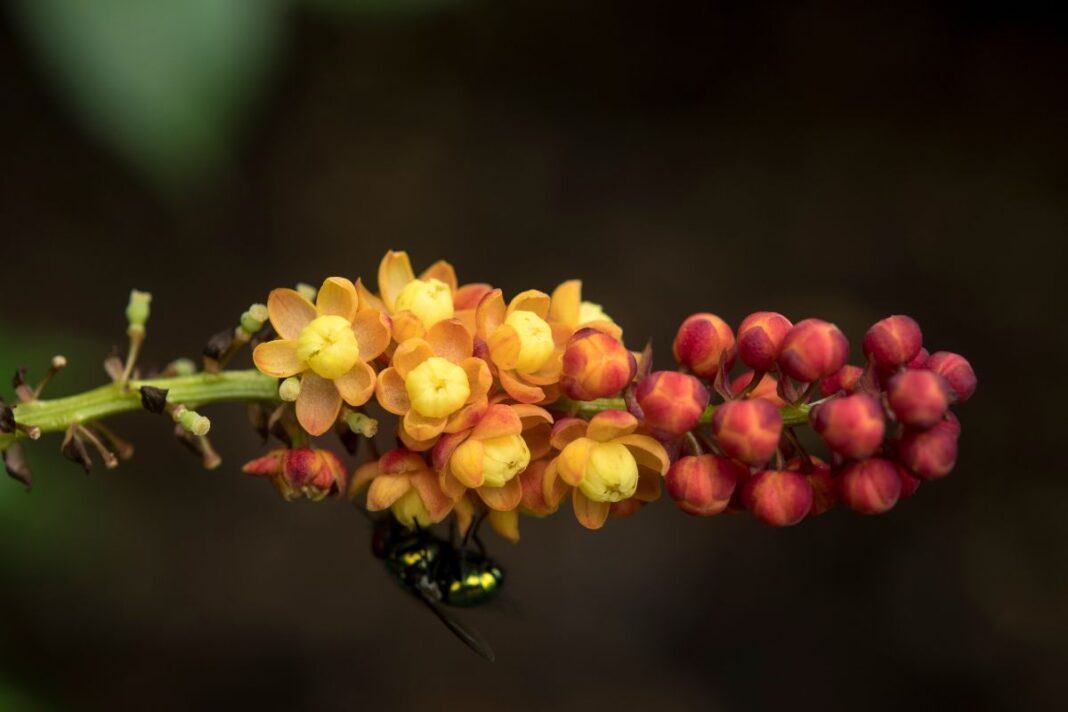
512, 405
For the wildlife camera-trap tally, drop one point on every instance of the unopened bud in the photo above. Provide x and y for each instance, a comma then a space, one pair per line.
918, 398
870, 486
853, 426
596, 365
760, 339
820, 479
362, 424
289, 389
254, 318
138, 309
191, 421
672, 402
778, 497
748, 430
701, 341
702, 485
957, 372
813, 349
929, 453
893, 341
844, 379
307, 291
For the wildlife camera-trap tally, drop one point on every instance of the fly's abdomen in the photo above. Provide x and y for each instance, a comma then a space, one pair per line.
478, 585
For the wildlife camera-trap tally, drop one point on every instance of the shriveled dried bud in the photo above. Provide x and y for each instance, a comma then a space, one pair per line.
893, 341
748, 430
870, 486
672, 402
918, 398
853, 426
957, 372
760, 339
813, 349
153, 399
778, 497
702, 485
700, 343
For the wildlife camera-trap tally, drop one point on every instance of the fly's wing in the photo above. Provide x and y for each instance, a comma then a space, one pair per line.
470, 637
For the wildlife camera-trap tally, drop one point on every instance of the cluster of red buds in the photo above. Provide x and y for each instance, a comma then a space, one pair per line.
887, 425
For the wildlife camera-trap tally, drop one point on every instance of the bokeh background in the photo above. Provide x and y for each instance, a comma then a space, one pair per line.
840, 159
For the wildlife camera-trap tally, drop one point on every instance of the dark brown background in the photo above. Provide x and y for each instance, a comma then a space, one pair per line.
815, 158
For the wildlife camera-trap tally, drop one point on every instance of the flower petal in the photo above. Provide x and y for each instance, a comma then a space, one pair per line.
357, 385
519, 390
506, 524
502, 499
590, 514
553, 487
467, 417
466, 464
452, 487
498, 420
648, 485
479, 378
437, 503
278, 358
567, 429
363, 476
385, 490
490, 313
566, 303
468, 296
531, 300
372, 333
531, 415
444, 448
337, 297
318, 404
465, 514
407, 326
537, 439
442, 271
394, 272
421, 427
412, 443
391, 393
571, 463
504, 346
611, 424
368, 300
450, 339
289, 312
410, 354
647, 452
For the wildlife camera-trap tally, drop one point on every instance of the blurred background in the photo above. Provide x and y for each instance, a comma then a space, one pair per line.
834, 159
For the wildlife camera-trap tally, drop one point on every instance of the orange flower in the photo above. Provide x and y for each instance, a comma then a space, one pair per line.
402, 482
525, 349
435, 384
328, 344
301, 472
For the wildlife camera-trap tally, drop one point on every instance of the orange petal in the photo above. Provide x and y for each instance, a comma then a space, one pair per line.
565, 430
391, 393
490, 313
466, 464
443, 271
452, 487
504, 346
437, 503
506, 524
450, 339
410, 354
498, 420
531, 300
537, 439
337, 297
368, 300
479, 378
357, 385
372, 333
411, 443
362, 477
467, 318
465, 514
385, 490
406, 326
502, 499
278, 358
571, 463
444, 448
318, 403
611, 424
394, 272
648, 485
400, 461
647, 452
566, 302
289, 312
549, 373
608, 327
553, 486
590, 514
519, 390
468, 296
531, 415
421, 427
467, 417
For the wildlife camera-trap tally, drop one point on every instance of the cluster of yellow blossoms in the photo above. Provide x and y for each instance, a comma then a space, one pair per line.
475, 383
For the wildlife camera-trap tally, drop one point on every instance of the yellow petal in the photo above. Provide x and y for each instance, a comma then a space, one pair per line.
571, 463
479, 378
407, 326
611, 424
490, 313
391, 393
372, 333
504, 498
394, 272
531, 300
385, 490
647, 452
506, 524
289, 312
411, 443
357, 385
443, 271
337, 297
520, 391
421, 427
452, 487
368, 300
450, 339
590, 514
466, 463
504, 346
278, 358
434, 498
410, 354
318, 404
566, 303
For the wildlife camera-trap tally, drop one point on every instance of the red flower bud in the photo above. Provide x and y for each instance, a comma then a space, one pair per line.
767, 389
930, 454
701, 341
748, 430
957, 372
301, 471
844, 379
778, 497
919, 360
702, 485
596, 365
894, 341
853, 426
909, 484
671, 402
870, 486
820, 479
760, 339
813, 349
918, 398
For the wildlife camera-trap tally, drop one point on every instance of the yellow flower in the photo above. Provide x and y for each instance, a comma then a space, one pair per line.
402, 482
435, 384
569, 310
329, 345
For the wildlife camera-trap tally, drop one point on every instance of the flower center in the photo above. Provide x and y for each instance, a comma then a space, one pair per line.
611, 473
328, 346
503, 458
535, 340
430, 300
437, 387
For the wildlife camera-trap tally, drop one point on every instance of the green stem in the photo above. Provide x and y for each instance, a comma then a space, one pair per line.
791, 414
56, 415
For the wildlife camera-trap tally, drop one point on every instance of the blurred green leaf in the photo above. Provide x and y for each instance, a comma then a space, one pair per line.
164, 82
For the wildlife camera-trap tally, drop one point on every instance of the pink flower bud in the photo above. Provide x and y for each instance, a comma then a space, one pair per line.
820, 479
853, 426
813, 349
778, 497
748, 430
918, 398
870, 486
957, 372
671, 402
909, 484
760, 339
596, 365
767, 389
930, 453
919, 360
844, 379
894, 341
701, 341
702, 485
